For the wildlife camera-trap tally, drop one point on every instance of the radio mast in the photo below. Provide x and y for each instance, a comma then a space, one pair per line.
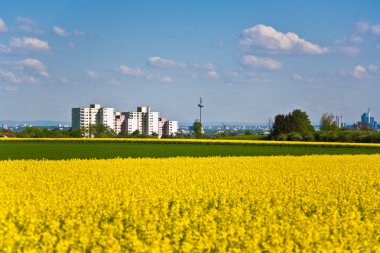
200, 105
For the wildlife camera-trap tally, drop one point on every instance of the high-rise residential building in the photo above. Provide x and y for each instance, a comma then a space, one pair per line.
161, 124
119, 120
84, 117
143, 120
170, 128
339, 121
167, 127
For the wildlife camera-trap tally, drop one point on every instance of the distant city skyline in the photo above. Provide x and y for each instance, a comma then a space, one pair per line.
248, 60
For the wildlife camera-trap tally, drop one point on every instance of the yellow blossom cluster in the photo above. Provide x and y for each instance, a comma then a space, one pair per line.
215, 204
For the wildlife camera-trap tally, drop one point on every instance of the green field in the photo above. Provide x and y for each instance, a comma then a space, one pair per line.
56, 150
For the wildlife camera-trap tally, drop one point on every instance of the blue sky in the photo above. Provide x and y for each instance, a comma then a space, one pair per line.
249, 60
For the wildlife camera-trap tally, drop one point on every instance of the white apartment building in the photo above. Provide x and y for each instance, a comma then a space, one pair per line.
119, 120
144, 120
161, 123
83, 117
167, 127
170, 128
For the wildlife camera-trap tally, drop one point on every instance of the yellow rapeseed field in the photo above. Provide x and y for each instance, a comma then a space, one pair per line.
231, 204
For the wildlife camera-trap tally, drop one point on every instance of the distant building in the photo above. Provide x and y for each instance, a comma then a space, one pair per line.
5, 127
170, 128
161, 124
143, 120
83, 117
368, 121
119, 120
339, 121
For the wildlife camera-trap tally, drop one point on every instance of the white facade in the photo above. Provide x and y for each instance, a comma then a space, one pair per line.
119, 120
143, 120
131, 125
339, 121
161, 123
170, 128
84, 117
132, 122
107, 117
151, 123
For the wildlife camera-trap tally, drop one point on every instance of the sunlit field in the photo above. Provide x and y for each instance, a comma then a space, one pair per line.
57, 149
216, 204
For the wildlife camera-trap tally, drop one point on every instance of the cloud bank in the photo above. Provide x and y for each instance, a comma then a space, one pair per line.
268, 63
270, 39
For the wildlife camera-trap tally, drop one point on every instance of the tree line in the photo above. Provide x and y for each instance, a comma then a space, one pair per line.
95, 131
296, 126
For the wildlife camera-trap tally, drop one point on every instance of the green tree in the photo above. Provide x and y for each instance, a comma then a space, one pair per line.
248, 132
135, 133
30, 132
98, 131
327, 122
197, 128
302, 121
75, 133
296, 121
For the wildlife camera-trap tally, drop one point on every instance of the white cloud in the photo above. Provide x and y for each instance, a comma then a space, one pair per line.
63, 80
135, 72
29, 43
25, 71
312, 77
350, 51
71, 45
242, 75
218, 44
17, 77
92, 74
159, 62
36, 65
362, 72
28, 25
80, 33
3, 26
359, 72
353, 39
268, 63
10, 89
204, 66
9, 76
269, 38
366, 27
362, 27
374, 69
4, 49
297, 77
60, 31
113, 81
166, 79
139, 73
376, 29
213, 74
356, 39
